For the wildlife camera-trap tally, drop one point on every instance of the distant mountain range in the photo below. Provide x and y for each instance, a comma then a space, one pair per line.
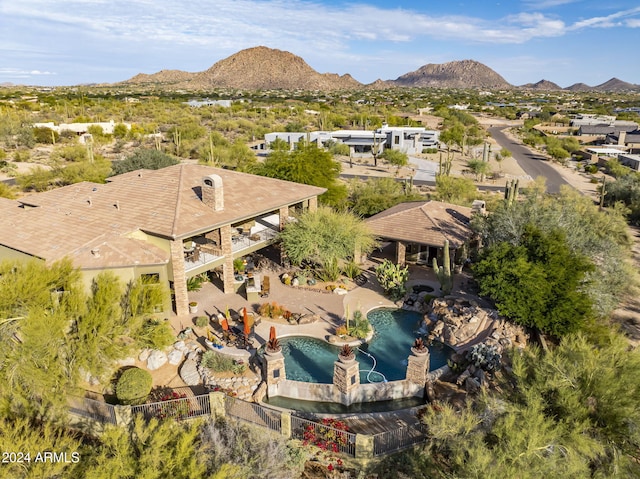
262, 68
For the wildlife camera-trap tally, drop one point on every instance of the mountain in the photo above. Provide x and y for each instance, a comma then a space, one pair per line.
258, 68
579, 87
542, 85
456, 74
163, 77
616, 85
263, 68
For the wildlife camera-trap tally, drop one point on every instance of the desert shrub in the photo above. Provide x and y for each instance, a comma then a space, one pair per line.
342, 330
219, 363
155, 334
134, 386
351, 269
202, 321
271, 310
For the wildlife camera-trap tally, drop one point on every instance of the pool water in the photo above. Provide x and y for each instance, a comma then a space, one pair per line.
384, 358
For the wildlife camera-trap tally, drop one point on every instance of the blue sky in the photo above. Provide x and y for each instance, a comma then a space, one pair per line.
48, 42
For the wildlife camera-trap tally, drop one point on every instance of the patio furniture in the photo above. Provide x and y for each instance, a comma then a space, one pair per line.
266, 287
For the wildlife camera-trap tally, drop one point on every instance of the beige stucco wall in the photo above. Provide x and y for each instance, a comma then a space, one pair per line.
12, 254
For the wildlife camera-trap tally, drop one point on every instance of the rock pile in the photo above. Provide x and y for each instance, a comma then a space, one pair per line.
457, 321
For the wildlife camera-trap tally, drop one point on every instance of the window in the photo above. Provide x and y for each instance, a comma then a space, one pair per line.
276, 373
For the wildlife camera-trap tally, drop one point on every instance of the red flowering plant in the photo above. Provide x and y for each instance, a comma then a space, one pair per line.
172, 407
329, 435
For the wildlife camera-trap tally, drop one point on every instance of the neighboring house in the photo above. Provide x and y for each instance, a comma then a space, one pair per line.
169, 224
625, 139
632, 161
362, 143
207, 102
81, 128
420, 230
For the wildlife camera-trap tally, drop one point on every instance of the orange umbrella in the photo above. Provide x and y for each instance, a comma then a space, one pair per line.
245, 320
272, 333
225, 325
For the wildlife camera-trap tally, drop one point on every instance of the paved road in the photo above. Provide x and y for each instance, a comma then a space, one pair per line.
533, 164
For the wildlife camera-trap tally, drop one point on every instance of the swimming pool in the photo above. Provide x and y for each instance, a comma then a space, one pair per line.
384, 358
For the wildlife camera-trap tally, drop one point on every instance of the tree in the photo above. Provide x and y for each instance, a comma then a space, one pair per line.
309, 165
143, 159
538, 282
326, 237
455, 190
149, 450
368, 197
396, 158
479, 168
601, 236
502, 155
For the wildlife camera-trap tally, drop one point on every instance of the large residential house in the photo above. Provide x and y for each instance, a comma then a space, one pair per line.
168, 224
362, 143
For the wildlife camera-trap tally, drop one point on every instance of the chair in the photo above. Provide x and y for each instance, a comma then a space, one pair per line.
265, 287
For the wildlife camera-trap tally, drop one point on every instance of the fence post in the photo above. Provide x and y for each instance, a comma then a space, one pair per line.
285, 424
217, 402
123, 415
364, 446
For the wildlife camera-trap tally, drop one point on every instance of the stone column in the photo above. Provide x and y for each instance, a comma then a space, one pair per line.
217, 403
364, 446
179, 278
346, 377
401, 253
284, 216
227, 267
418, 368
123, 415
285, 424
275, 368
313, 204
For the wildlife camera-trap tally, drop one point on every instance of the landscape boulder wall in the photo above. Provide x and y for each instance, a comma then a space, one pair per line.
461, 322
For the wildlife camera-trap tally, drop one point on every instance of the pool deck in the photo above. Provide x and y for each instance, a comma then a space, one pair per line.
328, 307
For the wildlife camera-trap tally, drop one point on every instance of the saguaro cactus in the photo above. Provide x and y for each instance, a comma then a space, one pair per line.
511, 191
444, 272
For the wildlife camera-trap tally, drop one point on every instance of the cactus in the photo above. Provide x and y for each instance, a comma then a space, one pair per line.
444, 272
511, 191
603, 191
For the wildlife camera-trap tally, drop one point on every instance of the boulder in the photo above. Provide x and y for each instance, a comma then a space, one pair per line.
340, 291
144, 355
189, 373
175, 356
156, 360
180, 345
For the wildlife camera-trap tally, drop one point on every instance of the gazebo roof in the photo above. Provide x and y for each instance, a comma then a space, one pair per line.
429, 223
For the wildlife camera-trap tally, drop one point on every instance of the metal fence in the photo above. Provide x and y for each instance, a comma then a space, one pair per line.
254, 413
179, 409
92, 409
323, 436
398, 439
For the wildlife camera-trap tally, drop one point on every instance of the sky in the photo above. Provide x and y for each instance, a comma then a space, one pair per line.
50, 42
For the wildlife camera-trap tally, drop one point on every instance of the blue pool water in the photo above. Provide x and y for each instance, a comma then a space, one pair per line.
311, 360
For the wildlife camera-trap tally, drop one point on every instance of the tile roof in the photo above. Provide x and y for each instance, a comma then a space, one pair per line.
74, 219
429, 223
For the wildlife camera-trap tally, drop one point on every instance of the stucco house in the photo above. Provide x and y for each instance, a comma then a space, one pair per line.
362, 143
170, 224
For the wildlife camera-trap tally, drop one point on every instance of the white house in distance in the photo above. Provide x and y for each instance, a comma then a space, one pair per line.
81, 128
410, 140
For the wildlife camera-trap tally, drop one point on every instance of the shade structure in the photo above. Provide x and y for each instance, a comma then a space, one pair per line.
272, 333
225, 324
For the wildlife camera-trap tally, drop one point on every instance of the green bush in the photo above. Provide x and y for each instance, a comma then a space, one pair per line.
202, 321
133, 386
218, 363
155, 334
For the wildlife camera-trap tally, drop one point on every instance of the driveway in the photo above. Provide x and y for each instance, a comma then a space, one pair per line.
532, 163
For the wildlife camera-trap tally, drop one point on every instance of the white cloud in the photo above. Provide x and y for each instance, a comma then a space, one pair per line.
608, 21
633, 23
20, 73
